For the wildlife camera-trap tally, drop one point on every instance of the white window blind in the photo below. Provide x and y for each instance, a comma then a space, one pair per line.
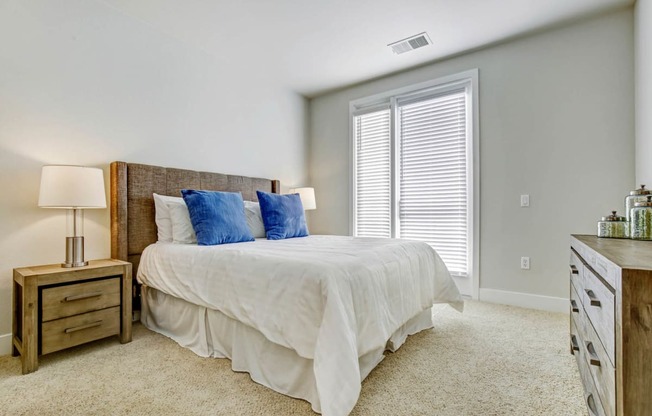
373, 174
432, 137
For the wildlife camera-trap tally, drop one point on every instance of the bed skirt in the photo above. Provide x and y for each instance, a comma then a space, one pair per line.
210, 333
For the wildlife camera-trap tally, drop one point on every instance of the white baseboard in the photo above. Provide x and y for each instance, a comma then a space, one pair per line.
524, 300
5, 344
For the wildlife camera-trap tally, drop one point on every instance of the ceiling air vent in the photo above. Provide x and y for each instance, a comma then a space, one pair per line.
411, 43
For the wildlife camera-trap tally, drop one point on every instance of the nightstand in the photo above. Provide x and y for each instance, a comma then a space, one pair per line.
56, 308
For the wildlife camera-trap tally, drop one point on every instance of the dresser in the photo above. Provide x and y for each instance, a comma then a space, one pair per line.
611, 323
56, 308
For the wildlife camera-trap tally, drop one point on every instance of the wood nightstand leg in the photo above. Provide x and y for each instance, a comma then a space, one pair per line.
126, 313
30, 328
16, 316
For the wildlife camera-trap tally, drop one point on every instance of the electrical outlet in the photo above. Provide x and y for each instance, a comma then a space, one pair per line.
525, 200
525, 263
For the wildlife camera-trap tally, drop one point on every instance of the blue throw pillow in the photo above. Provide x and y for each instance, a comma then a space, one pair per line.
217, 217
283, 215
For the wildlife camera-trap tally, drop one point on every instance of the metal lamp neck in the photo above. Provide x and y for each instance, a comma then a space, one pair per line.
75, 239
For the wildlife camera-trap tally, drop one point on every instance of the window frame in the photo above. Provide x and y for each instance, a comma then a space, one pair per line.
467, 79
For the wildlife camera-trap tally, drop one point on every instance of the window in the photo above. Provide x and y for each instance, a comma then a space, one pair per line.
373, 174
413, 169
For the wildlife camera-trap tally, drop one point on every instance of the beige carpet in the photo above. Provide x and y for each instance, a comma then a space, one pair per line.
490, 360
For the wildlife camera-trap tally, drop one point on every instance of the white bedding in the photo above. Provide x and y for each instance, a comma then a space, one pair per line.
331, 299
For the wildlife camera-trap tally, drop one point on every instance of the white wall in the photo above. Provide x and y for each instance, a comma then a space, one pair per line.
83, 84
643, 41
556, 122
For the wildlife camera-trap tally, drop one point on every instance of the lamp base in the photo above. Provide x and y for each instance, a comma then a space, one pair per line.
74, 252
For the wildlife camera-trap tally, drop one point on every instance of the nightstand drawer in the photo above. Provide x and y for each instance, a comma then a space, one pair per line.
75, 299
79, 329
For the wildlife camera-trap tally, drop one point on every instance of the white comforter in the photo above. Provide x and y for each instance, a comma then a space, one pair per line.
329, 298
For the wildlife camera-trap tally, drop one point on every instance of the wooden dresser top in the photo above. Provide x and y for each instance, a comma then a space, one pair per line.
625, 253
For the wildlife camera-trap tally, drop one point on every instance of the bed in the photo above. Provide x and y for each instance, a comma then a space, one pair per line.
308, 317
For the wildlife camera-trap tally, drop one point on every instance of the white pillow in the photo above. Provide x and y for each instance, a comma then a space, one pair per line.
254, 219
162, 216
182, 231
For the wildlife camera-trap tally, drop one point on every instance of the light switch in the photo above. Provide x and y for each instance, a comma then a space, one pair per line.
525, 200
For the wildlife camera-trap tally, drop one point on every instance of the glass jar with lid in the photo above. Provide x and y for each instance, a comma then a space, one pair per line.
613, 226
641, 220
637, 195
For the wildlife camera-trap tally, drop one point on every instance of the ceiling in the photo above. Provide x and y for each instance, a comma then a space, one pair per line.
313, 46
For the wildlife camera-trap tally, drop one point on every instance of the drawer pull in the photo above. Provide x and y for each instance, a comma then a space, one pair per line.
573, 269
574, 344
590, 402
592, 298
82, 296
82, 327
593, 357
574, 307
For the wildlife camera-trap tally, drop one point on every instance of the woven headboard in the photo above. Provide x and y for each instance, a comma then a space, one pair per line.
132, 205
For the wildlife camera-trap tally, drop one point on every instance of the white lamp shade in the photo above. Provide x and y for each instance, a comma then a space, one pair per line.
72, 187
307, 195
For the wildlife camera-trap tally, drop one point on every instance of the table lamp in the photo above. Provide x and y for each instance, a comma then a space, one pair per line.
307, 195
74, 188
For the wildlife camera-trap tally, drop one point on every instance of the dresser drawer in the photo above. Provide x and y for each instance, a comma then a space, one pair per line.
600, 367
62, 301
591, 395
602, 267
575, 337
599, 306
576, 271
79, 329
575, 301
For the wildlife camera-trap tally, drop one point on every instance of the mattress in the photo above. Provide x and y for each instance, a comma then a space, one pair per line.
330, 299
